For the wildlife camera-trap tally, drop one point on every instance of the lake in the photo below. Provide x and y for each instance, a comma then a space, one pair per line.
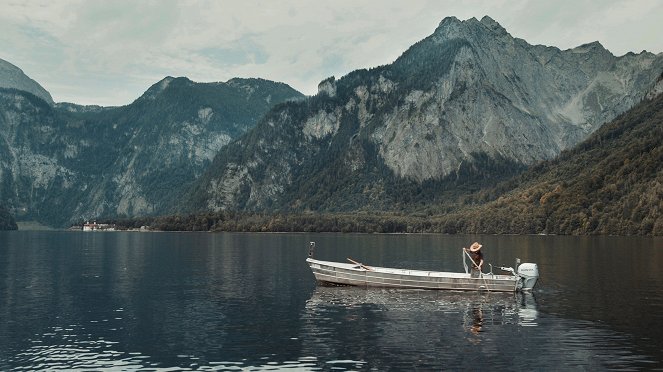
224, 301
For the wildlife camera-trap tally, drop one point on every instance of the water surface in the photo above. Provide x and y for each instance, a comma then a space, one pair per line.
121, 300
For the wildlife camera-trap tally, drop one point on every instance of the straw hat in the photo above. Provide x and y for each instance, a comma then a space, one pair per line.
475, 247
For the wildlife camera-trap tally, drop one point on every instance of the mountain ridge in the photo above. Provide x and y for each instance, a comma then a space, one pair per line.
461, 110
13, 77
468, 102
611, 183
82, 162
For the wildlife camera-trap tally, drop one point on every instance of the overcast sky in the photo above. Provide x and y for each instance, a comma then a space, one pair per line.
110, 52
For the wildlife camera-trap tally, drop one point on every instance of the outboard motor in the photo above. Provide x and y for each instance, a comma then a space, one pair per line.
530, 274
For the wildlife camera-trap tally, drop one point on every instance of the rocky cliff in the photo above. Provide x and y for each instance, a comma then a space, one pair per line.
67, 162
463, 108
466, 104
611, 183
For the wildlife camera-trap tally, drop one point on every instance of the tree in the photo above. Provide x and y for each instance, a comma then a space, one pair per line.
7, 221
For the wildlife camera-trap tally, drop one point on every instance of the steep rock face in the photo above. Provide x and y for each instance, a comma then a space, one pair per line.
81, 162
37, 148
611, 183
504, 97
468, 100
13, 77
657, 89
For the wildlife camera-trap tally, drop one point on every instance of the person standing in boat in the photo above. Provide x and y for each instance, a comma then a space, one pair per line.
477, 258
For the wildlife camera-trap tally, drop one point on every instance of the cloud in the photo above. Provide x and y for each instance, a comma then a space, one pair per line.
111, 52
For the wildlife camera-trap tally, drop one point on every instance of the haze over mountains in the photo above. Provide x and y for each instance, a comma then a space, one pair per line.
466, 107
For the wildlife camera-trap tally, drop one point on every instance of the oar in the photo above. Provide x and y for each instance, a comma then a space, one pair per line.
481, 276
360, 264
484, 280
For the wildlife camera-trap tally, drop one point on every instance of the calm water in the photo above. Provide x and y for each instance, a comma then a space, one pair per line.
77, 300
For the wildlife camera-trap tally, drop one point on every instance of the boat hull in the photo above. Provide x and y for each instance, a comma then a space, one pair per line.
336, 273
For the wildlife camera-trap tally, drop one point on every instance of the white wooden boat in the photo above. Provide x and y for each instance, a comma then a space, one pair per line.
523, 278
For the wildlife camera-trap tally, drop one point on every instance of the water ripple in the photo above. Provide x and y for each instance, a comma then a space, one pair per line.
248, 302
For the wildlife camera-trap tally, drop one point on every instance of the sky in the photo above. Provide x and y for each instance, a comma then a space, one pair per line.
109, 52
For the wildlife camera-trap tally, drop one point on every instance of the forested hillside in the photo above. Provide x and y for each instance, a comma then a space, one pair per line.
612, 183
7, 221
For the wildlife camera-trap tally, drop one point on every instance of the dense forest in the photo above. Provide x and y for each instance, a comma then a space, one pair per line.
7, 221
612, 183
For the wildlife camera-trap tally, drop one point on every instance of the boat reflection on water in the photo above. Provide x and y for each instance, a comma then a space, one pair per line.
409, 321
527, 310
517, 309
506, 308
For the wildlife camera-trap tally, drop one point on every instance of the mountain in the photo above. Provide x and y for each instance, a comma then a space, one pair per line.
465, 107
612, 183
67, 162
13, 77
461, 110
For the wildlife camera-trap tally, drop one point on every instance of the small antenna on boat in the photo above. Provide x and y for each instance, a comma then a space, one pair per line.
311, 248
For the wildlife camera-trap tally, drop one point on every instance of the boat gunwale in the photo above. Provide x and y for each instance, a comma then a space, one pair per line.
360, 275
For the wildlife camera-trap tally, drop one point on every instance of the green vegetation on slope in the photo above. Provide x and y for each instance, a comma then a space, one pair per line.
610, 184
7, 221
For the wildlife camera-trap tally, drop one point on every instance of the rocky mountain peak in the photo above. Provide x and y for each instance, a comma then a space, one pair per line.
328, 86
491, 23
452, 27
593, 47
657, 89
471, 30
468, 101
155, 90
13, 77
447, 21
